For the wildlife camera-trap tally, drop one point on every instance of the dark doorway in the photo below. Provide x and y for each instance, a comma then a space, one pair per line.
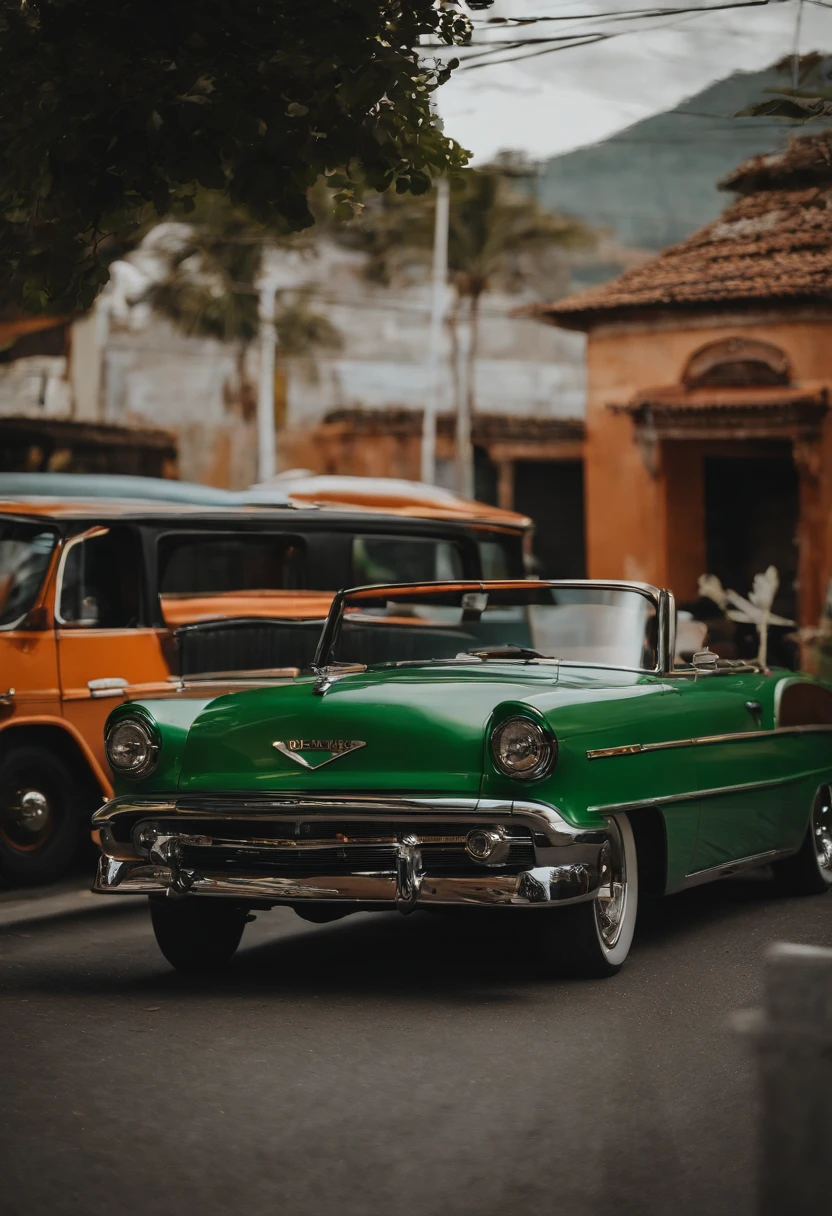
552, 493
485, 477
751, 520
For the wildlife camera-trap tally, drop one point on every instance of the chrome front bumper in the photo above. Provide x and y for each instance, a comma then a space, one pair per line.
566, 868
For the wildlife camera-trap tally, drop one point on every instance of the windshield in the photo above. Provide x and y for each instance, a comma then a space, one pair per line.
25, 549
479, 622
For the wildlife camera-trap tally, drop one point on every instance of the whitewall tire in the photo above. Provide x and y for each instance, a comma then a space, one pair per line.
593, 939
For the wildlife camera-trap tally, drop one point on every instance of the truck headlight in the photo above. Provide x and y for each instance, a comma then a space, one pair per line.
132, 748
522, 749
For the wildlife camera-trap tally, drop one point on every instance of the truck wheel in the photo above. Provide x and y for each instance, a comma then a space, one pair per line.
197, 934
592, 939
41, 817
809, 872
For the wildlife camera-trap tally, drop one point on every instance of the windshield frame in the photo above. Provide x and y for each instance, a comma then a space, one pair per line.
662, 601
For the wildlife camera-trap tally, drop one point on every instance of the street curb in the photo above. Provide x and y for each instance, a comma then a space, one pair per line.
30, 910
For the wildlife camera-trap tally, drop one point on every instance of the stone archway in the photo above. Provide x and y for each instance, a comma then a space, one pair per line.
737, 363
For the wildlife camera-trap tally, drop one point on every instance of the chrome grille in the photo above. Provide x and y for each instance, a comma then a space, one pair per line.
366, 849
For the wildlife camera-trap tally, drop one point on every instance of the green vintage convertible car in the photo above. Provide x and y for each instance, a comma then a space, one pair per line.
530, 746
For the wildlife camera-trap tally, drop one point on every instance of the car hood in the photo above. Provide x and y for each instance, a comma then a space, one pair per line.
422, 730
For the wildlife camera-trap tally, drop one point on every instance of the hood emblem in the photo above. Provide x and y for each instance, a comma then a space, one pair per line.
338, 747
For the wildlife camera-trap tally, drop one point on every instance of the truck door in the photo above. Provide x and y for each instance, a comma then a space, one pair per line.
105, 645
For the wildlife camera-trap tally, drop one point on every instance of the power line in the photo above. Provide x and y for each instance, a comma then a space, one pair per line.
618, 14
550, 45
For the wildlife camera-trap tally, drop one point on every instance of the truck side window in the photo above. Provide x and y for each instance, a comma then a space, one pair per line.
101, 584
404, 559
494, 559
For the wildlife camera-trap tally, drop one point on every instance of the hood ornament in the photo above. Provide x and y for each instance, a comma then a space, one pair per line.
292, 748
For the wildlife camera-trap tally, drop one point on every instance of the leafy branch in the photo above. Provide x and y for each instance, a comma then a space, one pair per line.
111, 113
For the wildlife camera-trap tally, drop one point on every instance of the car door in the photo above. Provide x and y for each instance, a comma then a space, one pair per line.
740, 764
105, 646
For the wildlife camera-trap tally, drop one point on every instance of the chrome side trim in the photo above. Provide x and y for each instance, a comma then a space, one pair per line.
632, 749
615, 808
728, 868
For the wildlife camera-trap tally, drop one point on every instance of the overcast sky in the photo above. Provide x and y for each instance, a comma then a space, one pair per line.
553, 102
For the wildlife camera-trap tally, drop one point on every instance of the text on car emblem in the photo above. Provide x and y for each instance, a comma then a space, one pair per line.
338, 747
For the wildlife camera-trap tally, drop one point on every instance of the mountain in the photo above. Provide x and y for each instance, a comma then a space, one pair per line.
655, 182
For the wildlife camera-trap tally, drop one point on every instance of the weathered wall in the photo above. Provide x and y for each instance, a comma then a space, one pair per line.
523, 368
133, 368
201, 389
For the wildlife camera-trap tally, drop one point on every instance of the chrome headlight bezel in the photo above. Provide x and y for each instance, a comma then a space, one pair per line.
546, 753
149, 757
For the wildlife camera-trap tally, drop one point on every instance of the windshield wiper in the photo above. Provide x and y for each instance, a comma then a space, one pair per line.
507, 651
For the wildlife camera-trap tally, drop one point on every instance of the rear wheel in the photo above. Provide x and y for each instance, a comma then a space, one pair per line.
41, 821
593, 939
809, 872
197, 934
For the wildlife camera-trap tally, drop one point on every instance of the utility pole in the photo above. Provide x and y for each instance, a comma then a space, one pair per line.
437, 310
464, 462
266, 464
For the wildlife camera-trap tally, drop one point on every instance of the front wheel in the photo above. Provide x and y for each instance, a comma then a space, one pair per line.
809, 872
197, 934
41, 824
592, 939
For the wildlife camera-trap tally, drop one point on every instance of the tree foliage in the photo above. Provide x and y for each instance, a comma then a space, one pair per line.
213, 264
210, 288
496, 232
498, 236
110, 112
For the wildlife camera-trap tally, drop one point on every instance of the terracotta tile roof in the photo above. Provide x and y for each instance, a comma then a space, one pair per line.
771, 245
805, 161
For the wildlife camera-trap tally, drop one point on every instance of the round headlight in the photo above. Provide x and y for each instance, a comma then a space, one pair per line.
131, 748
521, 749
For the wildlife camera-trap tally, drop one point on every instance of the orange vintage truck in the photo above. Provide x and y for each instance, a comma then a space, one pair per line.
104, 599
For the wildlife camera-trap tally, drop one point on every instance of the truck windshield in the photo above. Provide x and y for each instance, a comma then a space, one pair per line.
524, 622
25, 549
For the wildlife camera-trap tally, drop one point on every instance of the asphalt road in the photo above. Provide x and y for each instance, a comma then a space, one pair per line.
386, 1065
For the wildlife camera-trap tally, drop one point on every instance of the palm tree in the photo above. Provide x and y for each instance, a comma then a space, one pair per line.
495, 239
494, 234
210, 287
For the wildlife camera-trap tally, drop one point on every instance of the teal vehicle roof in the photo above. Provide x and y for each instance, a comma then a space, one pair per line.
122, 487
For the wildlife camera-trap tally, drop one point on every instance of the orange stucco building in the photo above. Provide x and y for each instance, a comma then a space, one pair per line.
708, 436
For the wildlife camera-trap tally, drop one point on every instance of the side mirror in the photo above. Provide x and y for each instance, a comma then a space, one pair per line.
705, 661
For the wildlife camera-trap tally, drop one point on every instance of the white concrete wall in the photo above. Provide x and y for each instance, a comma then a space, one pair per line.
524, 368
36, 387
